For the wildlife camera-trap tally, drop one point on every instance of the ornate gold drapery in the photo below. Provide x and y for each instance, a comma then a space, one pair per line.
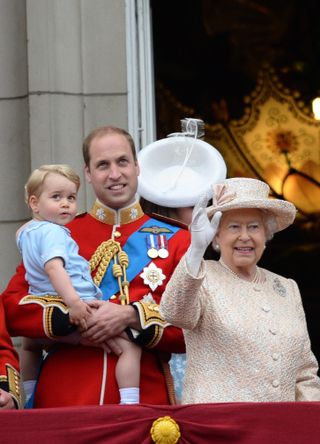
276, 140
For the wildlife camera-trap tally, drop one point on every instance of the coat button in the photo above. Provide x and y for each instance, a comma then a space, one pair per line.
275, 383
275, 356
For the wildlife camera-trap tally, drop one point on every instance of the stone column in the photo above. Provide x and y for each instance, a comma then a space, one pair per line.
77, 76
14, 130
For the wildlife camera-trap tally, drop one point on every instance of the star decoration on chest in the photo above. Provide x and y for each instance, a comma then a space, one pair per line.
152, 276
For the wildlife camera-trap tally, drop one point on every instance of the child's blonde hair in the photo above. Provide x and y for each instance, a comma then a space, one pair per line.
34, 185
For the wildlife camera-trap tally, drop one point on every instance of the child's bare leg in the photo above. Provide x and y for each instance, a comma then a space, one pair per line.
128, 365
30, 356
128, 371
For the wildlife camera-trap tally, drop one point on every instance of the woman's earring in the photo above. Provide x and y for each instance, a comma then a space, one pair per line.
217, 247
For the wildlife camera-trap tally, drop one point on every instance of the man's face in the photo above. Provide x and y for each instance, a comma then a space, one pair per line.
112, 170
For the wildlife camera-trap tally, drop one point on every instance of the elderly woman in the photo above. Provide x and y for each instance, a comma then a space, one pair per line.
245, 328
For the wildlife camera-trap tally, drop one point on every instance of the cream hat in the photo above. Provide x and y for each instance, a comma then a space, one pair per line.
241, 192
176, 171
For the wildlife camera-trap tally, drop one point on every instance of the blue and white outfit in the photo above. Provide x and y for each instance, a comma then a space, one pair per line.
178, 368
41, 241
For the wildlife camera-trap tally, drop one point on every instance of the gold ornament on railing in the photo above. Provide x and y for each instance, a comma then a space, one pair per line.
165, 430
100, 261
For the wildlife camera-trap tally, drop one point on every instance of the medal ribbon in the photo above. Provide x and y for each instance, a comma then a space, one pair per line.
151, 245
163, 241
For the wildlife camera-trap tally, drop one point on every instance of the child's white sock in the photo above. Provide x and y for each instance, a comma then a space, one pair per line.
130, 395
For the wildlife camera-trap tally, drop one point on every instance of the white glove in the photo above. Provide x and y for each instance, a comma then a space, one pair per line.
202, 233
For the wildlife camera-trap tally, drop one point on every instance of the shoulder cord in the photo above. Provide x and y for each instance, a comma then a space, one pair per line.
100, 260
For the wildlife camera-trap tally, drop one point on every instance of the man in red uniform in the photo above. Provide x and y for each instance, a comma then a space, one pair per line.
9, 368
132, 256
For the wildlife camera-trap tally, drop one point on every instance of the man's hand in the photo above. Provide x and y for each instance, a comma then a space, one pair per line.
6, 400
109, 320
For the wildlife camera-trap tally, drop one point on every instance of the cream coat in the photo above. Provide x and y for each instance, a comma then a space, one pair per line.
245, 341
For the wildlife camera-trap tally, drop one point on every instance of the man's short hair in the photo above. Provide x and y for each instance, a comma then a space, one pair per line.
100, 132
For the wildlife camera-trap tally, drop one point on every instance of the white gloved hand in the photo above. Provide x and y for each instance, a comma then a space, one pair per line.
202, 233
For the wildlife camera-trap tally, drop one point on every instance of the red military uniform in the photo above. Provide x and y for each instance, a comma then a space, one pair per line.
9, 363
78, 375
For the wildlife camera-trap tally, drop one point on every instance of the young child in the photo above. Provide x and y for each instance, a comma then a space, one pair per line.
54, 267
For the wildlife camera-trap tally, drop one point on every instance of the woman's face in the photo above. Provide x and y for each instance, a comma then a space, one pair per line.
242, 238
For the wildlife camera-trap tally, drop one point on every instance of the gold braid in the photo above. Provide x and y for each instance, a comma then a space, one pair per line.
124, 262
101, 259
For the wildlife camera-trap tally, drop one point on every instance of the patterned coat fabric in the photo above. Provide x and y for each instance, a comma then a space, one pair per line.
77, 375
245, 342
9, 362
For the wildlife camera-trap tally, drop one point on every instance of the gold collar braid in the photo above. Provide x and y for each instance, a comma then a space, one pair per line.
122, 216
100, 260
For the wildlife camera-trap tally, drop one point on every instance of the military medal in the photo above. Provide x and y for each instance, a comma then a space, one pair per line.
163, 243
152, 251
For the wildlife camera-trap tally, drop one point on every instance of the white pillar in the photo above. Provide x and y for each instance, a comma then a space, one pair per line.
77, 76
14, 129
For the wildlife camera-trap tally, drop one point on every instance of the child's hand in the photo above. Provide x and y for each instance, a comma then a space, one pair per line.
79, 312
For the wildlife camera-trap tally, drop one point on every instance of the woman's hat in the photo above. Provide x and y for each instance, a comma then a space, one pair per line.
241, 192
176, 171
